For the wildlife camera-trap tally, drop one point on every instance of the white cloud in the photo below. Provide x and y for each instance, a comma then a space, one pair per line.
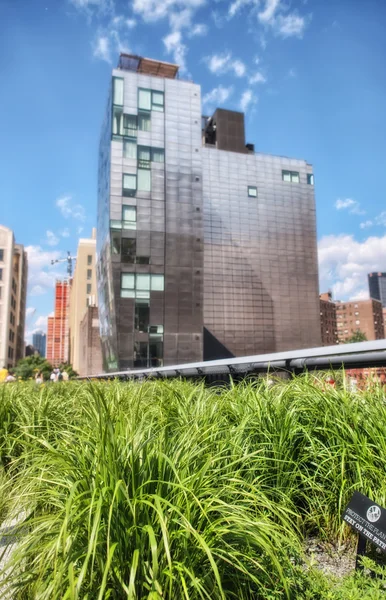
257, 78
239, 68
102, 48
37, 290
223, 63
268, 14
381, 219
41, 273
175, 46
344, 263
69, 209
366, 224
247, 99
30, 311
91, 7
290, 25
283, 25
378, 220
291, 73
199, 29
217, 96
51, 238
41, 323
180, 20
154, 10
131, 23
65, 233
353, 206
79, 230
237, 5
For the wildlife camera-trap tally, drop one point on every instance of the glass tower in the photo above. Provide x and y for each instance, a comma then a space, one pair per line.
377, 287
205, 249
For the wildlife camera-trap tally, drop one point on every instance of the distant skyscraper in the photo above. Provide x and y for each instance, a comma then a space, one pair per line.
206, 249
13, 291
377, 287
83, 294
39, 343
57, 325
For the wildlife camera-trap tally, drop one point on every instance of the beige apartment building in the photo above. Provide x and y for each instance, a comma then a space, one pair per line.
13, 293
83, 295
328, 324
363, 315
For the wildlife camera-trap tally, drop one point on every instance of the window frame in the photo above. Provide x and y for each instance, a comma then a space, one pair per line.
115, 78
252, 187
129, 224
129, 192
149, 91
160, 107
143, 114
291, 174
310, 179
133, 141
148, 177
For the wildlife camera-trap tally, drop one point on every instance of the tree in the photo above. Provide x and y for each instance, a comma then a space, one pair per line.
357, 336
28, 367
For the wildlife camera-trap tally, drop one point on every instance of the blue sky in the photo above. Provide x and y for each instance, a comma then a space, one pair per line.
309, 74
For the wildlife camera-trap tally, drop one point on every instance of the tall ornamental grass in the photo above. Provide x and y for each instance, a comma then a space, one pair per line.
171, 490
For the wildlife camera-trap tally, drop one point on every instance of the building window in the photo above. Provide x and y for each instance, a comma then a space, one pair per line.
128, 249
118, 91
157, 101
115, 224
142, 282
252, 191
129, 184
88, 288
144, 122
356, 314
1, 254
142, 260
117, 128
144, 99
129, 217
115, 243
157, 283
144, 180
310, 179
1, 274
89, 273
130, 125
158, 155
127, 285
144, 157
291, 176
89, 259
129, 148
357, 322
142, 317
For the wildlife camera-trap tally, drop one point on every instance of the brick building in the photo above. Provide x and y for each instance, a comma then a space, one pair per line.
360, 315
58, 326
90, 358
328, 324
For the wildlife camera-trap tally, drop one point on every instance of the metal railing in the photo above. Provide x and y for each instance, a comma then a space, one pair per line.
358, 355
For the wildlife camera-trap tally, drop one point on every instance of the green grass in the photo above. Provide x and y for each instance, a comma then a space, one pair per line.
171, 490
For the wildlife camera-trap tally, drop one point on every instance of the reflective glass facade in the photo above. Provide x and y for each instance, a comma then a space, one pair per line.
150, 232
203, 252
377, 287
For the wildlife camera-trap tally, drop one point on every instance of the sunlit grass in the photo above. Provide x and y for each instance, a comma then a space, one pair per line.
172, 490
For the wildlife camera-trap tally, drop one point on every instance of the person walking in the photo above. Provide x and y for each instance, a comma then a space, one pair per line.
53, 376
39, 378
65, 376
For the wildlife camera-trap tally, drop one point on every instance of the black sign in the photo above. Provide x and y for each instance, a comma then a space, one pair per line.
367, 518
